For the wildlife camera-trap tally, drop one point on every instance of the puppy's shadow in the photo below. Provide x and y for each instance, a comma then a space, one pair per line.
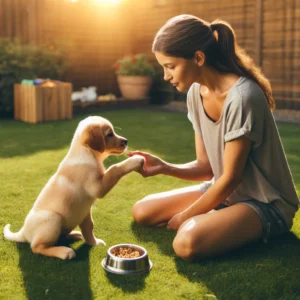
160, 235
52, 278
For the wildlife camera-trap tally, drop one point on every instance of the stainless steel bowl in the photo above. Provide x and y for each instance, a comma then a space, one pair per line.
125, 266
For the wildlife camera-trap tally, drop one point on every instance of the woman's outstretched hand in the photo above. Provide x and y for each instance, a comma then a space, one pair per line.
153, 165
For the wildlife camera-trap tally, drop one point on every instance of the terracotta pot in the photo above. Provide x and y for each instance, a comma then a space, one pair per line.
134, 87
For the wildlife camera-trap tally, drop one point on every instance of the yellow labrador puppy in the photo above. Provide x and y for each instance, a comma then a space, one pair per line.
67, 198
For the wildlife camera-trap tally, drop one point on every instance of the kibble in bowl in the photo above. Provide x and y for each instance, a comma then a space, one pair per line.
125, 252
126, 259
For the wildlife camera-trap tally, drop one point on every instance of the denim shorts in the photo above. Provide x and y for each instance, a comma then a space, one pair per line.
272, 220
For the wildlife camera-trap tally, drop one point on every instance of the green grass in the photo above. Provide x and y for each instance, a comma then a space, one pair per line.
30, 154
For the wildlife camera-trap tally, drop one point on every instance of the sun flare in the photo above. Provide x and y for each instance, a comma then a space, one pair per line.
107, 1
99, 1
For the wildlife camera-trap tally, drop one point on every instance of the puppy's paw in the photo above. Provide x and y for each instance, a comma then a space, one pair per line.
100, 242
67, 253
75, 235
96, 242
136, 162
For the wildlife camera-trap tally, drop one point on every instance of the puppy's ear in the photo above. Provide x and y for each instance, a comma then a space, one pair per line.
94, 138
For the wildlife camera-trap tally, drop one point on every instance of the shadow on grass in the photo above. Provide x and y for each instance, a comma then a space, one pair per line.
161, 236
258, 271
18, 138
129, 283
52, 278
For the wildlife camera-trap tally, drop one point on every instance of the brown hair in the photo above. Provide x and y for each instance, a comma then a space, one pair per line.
183, 35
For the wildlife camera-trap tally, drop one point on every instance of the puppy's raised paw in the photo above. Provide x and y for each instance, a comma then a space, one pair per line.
137, 162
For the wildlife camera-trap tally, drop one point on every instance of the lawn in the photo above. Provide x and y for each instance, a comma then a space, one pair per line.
30, 154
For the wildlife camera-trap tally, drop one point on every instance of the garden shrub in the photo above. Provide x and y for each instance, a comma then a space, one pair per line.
19, 61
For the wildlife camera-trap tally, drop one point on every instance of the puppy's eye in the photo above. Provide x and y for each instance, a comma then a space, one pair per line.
110, 134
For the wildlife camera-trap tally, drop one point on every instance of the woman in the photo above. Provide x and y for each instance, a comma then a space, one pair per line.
248, 192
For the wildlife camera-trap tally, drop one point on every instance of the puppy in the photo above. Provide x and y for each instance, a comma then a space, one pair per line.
67, 198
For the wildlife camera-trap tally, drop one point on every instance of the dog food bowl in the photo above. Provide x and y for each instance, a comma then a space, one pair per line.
126, 259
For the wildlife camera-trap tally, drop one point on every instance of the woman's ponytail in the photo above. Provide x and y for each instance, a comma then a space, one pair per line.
227, 56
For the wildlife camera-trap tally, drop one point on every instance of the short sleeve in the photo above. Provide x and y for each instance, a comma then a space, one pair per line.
244, 117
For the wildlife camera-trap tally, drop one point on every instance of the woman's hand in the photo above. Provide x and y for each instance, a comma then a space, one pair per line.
175, 222
153, 165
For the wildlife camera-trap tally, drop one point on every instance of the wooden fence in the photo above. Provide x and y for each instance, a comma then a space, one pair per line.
99, 34
96, 35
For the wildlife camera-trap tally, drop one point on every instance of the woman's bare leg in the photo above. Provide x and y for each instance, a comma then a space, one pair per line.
158, 209
215, 233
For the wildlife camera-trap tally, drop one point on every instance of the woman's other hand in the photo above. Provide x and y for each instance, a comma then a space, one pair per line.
153, 165
175, 222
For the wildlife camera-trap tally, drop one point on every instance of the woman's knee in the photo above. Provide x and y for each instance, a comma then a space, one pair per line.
183, 246
140, 212
190, 245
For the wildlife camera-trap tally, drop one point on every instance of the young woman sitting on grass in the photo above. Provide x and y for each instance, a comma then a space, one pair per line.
248, 192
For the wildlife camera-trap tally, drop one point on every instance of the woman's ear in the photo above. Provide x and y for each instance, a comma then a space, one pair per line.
199, 58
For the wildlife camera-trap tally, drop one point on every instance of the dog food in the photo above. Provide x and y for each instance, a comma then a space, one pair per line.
125, 252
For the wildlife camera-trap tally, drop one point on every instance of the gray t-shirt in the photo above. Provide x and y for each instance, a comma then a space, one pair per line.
267, 177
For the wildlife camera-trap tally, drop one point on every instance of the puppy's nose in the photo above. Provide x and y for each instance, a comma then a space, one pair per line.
124, 142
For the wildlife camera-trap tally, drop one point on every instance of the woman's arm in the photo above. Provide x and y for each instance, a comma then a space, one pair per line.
197, 170
235, 158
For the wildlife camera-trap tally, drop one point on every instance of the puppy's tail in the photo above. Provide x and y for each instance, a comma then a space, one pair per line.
13, 236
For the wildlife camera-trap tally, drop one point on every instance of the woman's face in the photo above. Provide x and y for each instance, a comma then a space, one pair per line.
181, 72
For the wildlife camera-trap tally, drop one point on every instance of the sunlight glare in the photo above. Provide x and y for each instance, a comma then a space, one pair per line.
189, 225
107, 1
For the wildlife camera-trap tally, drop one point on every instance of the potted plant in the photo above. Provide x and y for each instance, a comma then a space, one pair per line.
134, 76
